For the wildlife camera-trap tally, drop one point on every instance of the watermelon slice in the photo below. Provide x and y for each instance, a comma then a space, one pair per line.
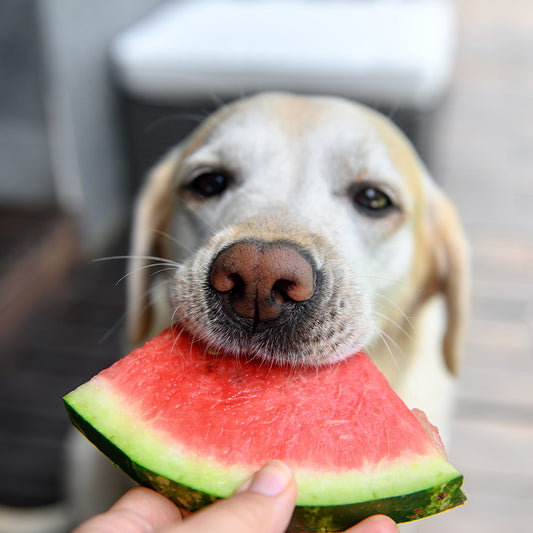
194, 425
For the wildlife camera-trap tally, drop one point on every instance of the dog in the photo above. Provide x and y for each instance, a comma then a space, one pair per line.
301, 230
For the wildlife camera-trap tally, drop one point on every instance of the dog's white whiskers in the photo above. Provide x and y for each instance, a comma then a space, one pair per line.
394, 323
161, 270
385, 338
174, 314
393, 109
167, 266
176, 337
369, 351
158, 261
148, 257
395, 343
407, 318
174, 240
113, 328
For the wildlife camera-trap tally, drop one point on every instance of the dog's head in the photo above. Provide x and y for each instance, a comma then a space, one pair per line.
302, 229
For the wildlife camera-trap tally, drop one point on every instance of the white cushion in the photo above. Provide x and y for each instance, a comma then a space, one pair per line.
395, 52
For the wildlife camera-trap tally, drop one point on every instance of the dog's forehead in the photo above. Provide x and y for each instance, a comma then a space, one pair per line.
295, 117
332, 125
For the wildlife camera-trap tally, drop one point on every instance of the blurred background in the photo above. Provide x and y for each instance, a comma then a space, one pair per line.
91, 93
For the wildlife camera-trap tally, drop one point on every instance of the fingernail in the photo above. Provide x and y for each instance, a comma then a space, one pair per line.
271, 480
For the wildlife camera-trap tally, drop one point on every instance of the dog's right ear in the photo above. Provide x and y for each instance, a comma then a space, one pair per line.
450, 259
151, 216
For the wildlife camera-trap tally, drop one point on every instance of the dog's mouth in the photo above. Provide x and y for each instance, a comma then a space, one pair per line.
282, 339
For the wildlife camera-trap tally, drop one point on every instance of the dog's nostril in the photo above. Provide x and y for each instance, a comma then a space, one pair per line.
296, 291
225, 282
280, 291
258, 279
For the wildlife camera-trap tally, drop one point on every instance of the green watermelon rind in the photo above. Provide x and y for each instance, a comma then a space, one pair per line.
88, 409
119, 420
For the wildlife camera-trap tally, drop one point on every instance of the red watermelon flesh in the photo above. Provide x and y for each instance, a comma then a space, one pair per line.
171, 414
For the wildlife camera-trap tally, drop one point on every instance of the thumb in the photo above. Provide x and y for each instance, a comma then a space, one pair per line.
264, 504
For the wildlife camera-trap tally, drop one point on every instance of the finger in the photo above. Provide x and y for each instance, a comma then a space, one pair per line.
140, 510
263, 505
375, 524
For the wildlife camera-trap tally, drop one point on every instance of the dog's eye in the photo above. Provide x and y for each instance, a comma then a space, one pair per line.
209, 184
372, 200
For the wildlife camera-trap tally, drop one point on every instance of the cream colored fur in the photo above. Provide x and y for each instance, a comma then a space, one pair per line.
294, 160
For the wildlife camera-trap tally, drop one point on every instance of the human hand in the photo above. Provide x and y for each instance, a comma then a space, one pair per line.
263, 504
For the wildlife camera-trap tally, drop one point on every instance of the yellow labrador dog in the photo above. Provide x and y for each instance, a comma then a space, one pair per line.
300, 230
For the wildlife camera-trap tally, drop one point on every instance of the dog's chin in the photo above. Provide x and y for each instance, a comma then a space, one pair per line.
274, 344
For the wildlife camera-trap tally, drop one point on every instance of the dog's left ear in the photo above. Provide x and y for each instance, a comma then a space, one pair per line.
450, 258
151, 215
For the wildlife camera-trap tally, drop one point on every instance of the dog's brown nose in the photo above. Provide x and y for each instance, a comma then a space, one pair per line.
259, 279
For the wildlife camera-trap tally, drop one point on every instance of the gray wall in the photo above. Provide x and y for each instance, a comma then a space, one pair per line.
85, 143
59, 141
25, 176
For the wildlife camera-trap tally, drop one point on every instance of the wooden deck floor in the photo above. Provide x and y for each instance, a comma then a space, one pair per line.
484, 159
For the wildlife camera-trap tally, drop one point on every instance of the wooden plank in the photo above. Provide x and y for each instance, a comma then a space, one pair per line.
501, 385
33, 276
494, 447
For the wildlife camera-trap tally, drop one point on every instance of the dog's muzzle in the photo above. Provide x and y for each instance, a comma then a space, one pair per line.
271, 299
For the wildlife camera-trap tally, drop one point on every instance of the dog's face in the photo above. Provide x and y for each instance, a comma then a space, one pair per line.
303, 229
